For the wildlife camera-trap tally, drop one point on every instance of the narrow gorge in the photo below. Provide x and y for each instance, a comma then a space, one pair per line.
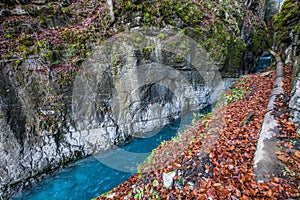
80, 77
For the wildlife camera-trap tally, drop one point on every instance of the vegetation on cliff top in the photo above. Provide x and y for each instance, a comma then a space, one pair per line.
58, 36
62, 36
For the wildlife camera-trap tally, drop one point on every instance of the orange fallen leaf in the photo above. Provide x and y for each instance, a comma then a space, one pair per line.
277, 152
208, 184
287, 151
217, 184
201, 196
276, 180
268, 193
253, 192
282, 158
237, 193
231, 147
297, 154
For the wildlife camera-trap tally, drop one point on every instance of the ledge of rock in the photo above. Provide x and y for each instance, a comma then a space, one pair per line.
265, 158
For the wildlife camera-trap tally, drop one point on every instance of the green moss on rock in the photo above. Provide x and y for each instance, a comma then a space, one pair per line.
26, 40
216, 26
261, 40
283, 22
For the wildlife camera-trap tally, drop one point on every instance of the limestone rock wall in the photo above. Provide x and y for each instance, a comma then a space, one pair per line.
287, 41
123, 89
61, 100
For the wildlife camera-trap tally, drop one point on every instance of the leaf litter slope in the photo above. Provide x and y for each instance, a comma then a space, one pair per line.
213, 159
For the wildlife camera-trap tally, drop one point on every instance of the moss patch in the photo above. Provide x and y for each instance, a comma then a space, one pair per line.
284, 22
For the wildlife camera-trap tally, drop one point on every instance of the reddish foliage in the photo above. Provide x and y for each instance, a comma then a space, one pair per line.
230, 146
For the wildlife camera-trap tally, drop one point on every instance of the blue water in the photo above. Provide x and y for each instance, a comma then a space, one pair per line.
89, 177
264, 62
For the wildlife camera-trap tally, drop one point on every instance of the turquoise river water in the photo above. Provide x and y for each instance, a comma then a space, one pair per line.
89, 177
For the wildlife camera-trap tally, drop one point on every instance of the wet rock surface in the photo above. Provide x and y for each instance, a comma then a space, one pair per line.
42, 46
287, 30
106, 104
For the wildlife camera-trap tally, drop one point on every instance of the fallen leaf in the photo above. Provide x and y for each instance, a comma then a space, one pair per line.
297, 154
201, 196
278, 152
217, 184
237, 193
276, 180
282, 158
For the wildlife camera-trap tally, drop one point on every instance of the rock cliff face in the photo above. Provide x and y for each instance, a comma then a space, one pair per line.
287, 41
119, 92
62, 98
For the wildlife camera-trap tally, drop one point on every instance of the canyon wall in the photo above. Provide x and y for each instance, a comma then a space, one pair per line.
69, 89
287, 41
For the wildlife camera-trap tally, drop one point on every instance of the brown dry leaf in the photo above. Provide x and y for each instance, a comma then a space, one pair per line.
238, 193
217, 184
235, 148
282, 158
268, 193
253, 192
267, 176
201, 196
211, 192
287, 151
276, 180
230, 167
231, 148
244, 197
297, 154
208, 184
278, 152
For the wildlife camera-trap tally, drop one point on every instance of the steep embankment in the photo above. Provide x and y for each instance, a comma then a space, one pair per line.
44, 43
225, 171
214, 158
287, 31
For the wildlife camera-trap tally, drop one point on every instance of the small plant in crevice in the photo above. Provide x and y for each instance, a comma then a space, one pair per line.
237, 92
235, 95
293, 142
149, 158
163, 143
148, 161
71, 51
242, 81
147, 51
143, 192
176, 138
